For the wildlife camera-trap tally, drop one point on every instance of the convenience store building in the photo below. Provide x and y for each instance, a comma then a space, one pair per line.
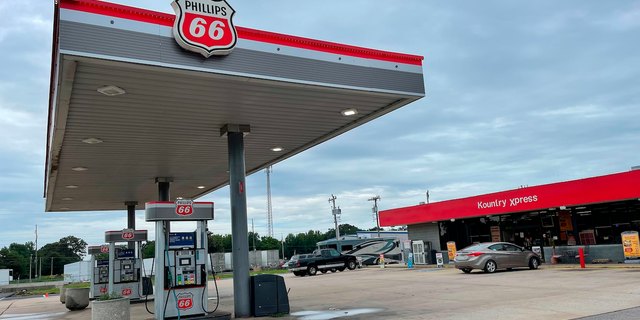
588, 213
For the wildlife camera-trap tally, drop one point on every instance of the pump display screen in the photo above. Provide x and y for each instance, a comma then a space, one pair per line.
103, 262
125, 253
127, 266
182, 240
185, 262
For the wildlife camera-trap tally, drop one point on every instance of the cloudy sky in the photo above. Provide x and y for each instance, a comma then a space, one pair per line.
518, 93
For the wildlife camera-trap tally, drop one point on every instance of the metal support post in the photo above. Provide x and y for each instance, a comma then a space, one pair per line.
92, 269
239, 233
112, 258
162, 233
131, 220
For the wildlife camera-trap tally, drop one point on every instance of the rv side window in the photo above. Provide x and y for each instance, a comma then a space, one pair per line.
332, 246
347, 248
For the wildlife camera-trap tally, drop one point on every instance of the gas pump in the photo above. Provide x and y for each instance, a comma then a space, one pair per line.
181, 258
99, 271
125, 265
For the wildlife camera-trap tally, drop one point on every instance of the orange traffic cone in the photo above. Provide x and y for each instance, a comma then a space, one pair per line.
217, 278
46, 295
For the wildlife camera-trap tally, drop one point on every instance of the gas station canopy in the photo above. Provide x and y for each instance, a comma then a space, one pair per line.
128, 104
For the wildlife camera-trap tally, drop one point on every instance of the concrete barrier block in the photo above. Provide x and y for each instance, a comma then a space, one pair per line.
76, 298
116, 309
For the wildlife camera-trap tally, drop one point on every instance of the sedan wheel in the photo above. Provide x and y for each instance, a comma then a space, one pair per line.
533, 264
490, 267
312, 270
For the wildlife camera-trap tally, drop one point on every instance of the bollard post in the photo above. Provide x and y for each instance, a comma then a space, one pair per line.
581, 258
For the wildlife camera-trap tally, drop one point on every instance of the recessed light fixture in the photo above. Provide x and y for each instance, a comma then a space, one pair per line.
201, 187
277, 149
92, 140
349, 112
179, 198
111, 91
79, 169
67, 199
71, 186
64, 208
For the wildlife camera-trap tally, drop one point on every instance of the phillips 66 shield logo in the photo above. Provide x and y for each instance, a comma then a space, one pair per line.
204, 26
185, 301
184, 207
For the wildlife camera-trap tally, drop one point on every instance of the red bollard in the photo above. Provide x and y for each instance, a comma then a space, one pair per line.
581, 258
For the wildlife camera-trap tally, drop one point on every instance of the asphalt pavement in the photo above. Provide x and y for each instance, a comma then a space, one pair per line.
626, 314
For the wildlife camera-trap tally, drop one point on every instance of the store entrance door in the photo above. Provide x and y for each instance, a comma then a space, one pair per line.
527, 236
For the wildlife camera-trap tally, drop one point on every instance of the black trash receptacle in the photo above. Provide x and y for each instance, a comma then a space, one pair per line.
268, 295
147, 286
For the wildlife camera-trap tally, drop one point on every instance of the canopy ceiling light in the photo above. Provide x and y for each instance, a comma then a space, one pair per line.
67, 199
111, 91
92, 140
79, 169
277, 149
201, 187
71, 186
349, 112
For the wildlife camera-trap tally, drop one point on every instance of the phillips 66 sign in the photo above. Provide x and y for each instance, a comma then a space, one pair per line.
204, 26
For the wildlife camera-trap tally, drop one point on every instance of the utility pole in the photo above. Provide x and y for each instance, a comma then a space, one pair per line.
30, 261
51, 273
375, 210
36, 251
40, 270
282, 243
336, 212
254, 238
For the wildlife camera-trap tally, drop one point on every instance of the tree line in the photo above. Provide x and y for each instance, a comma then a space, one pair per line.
70, 249
52, 256
293, 243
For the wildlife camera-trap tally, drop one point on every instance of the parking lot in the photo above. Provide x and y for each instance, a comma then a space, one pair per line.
400, 293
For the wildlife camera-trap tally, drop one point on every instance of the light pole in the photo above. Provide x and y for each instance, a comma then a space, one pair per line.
375, 210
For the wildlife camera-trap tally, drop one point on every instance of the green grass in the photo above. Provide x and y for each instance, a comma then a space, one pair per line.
78, 285
278, 315
230, 275
38, 292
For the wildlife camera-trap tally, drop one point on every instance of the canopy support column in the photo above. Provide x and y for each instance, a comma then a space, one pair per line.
162, 233
131, 220
239, 229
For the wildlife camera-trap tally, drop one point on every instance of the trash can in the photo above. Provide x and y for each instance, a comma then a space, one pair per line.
269, 295
147, 286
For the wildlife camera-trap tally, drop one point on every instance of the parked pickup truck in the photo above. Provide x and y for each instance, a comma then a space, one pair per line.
321, 260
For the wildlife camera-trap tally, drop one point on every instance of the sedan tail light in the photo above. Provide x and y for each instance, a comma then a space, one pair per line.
475, 254
298, 263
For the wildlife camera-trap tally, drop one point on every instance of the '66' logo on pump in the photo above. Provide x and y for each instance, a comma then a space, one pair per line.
127, 234
104, 248
185, 301
204, 26
184, 207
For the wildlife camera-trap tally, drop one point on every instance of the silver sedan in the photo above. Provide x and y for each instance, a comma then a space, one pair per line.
495, 255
